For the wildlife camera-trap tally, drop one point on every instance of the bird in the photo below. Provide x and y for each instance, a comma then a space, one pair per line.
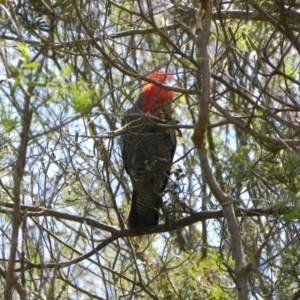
148, 150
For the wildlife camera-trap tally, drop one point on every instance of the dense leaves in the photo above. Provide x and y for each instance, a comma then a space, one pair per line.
69, 70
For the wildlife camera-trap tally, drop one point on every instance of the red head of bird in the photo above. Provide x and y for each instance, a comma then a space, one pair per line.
156, 100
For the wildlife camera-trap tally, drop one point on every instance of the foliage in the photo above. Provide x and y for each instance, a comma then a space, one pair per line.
70, 69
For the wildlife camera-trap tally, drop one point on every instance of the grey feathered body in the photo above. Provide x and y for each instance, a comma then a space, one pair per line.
147, 153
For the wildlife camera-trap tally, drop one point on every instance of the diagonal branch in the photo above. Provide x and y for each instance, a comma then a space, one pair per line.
226, 201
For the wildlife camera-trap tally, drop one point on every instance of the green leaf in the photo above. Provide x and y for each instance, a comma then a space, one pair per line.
33, 65
7, 122
23, 51
292, 214
81, 99
36, 84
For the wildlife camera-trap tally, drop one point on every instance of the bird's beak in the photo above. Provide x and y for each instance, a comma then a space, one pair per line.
166, 110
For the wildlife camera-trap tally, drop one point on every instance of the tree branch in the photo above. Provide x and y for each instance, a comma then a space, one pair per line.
18, 176
198, 138
233, 14
36, 211
18, 286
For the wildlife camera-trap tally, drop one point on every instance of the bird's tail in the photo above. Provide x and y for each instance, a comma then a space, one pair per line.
148, 217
